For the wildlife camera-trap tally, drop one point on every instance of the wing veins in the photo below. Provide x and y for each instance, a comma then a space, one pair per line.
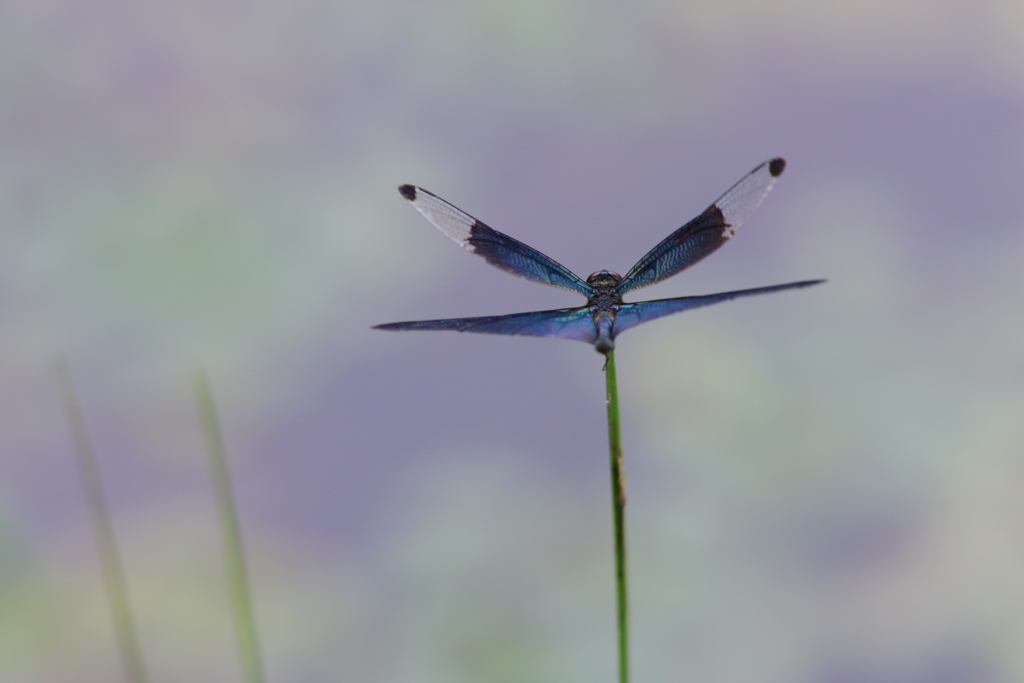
497, 248
568, 323
707, 232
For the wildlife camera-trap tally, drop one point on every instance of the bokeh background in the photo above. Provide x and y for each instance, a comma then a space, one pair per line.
824, 485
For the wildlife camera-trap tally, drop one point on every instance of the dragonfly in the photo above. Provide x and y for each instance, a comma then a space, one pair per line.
605, 315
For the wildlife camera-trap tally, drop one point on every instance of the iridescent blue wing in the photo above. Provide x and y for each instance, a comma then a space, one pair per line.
568, 323
499, 249
706, 232
631, 315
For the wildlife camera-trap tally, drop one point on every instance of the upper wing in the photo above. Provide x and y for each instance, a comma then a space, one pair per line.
706, 232
568, 323
631, 315
498, 248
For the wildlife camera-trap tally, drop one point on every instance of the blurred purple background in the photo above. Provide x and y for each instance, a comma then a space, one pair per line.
825, 485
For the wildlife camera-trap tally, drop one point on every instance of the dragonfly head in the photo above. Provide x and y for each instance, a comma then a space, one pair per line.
603, 278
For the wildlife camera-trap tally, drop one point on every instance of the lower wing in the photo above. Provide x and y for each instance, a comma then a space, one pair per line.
631, 315
568, 323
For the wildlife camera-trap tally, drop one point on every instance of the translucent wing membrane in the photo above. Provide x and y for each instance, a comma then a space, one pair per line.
705, 233
568, 323
499, 249
631, 315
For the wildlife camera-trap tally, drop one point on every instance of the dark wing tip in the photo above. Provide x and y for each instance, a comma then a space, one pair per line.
408, 191
776, 166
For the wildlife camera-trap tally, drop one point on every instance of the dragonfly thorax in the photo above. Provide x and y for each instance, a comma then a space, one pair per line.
603, 278
603, 305
604, 299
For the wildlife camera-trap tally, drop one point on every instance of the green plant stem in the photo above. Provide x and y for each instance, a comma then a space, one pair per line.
234, 557
106, 542
618, 513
